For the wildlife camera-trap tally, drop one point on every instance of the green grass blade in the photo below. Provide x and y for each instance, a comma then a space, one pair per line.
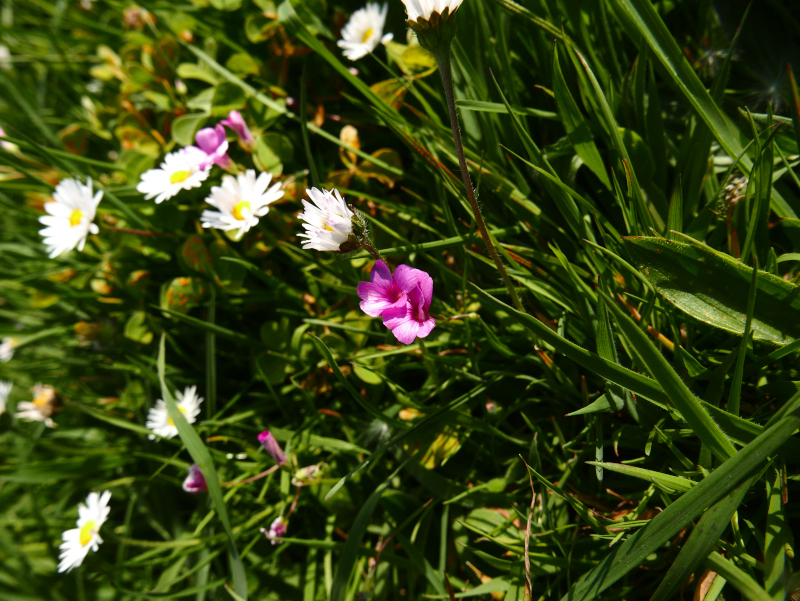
649, 25
577, 127
676, 483
675, 218
738, 578
777, 539
704, 537
736, 384
627, 556
679, 395
201, 456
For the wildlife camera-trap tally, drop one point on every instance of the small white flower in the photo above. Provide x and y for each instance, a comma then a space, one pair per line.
241, 200
159, 421
44, 405
70, 216
5, 58
5, 390
417, 9
328, 222
179, 171
7, 347
78, 541
364, 31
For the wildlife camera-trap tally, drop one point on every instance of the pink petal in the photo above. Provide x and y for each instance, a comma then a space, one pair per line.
381, 275
375, 299
407, 278
407, 331
396, 316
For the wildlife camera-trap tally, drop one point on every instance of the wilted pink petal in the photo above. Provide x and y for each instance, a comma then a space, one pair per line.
272, 447
195, 481
237, 124
276, 530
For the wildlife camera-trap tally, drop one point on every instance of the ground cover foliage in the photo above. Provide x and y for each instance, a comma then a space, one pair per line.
634, 161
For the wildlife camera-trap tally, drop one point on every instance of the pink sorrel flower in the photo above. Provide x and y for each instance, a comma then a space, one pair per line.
272, 447
195, 482
237, 124
211, 140
401, 300
276, 530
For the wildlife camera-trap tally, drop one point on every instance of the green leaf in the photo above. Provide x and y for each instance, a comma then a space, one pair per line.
201, 456
777, 538
713, 288
227, 97
625, 557
185, 127
676, 483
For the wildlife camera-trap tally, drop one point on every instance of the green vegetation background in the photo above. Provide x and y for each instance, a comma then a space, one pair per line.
601, 135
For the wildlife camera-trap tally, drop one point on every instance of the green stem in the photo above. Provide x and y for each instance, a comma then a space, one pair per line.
443, 60
368, 246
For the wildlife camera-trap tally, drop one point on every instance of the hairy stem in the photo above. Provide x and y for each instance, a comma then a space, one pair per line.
443, 60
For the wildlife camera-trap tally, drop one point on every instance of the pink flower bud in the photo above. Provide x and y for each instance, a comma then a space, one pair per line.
195, 482
272, 447
237, 124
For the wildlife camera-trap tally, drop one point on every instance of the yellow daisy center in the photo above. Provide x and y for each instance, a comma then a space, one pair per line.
367, 35
87, 532
169, 419
75, 217
179, 176
239, 208
43, 400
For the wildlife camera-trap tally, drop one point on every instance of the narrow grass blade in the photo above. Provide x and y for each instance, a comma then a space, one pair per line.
679, 395
738, 578
676, 483
627, 556
704, 537
777, 539
675, 218
649, 25
201, 456
347, 559
736, 384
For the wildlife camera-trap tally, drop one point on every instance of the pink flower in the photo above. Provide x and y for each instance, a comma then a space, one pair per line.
413, 320
276, 530
402, 300
211, 140
237, 124
195, 482
272, 447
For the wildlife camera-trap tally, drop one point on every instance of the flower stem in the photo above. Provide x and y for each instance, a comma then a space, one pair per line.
368, 246
443, 60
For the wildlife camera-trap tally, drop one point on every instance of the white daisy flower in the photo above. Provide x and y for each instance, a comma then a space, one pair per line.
179, 171
241, 200
78, 541
5, 390
7, 347
44, 405
159, 421
70, 217
328, 222
364, 31
424, 9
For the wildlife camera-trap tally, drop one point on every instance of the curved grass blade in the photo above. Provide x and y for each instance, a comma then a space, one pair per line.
676, 483
738, 578
201, 456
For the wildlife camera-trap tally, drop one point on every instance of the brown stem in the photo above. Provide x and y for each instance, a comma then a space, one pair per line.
443, 59
134, 232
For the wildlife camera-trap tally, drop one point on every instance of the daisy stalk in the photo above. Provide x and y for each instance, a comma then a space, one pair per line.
433, 22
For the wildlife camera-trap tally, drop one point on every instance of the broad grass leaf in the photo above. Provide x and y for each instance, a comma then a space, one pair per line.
713, 288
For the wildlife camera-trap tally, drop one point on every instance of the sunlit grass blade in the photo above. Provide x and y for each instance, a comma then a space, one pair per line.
200, 455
